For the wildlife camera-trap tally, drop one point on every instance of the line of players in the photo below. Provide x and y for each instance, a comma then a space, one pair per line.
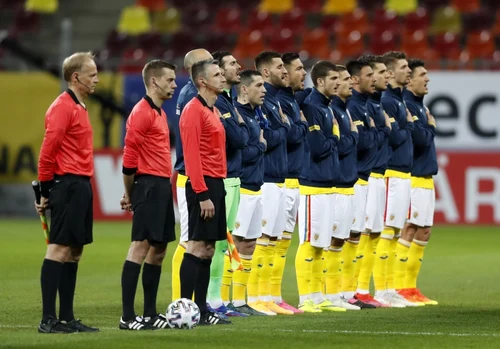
353, 158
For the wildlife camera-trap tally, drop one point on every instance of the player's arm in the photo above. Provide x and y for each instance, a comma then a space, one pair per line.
367, 137
57, 123
190, 129
236, 131
275, 137
423, 134
401, 131
347, 143
298, 130
321, 142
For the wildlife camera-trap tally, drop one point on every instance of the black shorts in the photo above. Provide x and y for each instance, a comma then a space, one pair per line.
153, 206
71, 213
214, 229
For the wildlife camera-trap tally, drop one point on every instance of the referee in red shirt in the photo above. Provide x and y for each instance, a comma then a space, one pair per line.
64, 169
204, 143
147, 168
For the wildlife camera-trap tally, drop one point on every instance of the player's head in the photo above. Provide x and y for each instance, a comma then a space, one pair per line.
325, 77
418, 78
344, 90
229, 66
296, 72
199, 54
80, 72
362, 76
207, 76
251, 88
380, 72
159, 78
271, 66
399, 72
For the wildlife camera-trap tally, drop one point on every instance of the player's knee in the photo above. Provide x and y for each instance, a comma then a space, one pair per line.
138, 251
75, 254
57, 253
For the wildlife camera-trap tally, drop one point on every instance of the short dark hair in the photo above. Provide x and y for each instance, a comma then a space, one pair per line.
220, 55
355, 66
247, 77
265, 57
200, 69
415, 63
372, 60
289, 57
321, 70
154, 68
391, 57
341, 68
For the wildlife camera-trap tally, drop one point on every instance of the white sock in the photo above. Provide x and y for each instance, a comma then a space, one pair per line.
380, 293
277, 300
238, 303
317, 297
348, 295
215, 303
226, 303
304, 298
253, 299
361, 291
266, 298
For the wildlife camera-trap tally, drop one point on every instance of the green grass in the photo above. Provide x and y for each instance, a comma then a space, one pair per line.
461, 270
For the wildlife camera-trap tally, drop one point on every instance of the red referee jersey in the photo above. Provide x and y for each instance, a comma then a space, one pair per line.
147, 141
67, 144
204, 143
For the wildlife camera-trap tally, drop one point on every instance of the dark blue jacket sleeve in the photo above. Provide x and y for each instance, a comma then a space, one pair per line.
423, 134
367, 138
275, 137
321, 145
347, 143
398, 134
298, 130
236, 134
252, 152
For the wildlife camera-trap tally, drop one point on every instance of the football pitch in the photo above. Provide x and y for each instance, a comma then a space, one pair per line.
461, 270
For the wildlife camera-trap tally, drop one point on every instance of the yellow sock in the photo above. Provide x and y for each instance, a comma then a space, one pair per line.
349, 258
279, 266
267, 269
176, 269
227, 277
317, 271
415, 256
380, 265
402, 248
255, 274
360, 255
241, 278
325, 269
391, 264
303, 268
368, 261
334, 264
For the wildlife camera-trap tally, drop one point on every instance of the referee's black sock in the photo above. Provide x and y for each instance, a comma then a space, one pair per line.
130, 278
201, 286
188, 274
49, 280
150, 280
67, 285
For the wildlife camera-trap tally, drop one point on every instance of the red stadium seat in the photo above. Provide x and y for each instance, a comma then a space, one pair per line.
25, 22
228, 20
315, 44
133, 60
13, 5
370, 4
447, 46
295, 20
116, 42
466, 5
180, 43
283, 42
249, 45
152, 5
418, 20
480, 45
496, 25
478, 21
380, 44
218, 42
151, 43
354, 21
416, 45
348, 46
309, 5
197, 15
491, 5
261, 21
431, 5
329, 23
384, 21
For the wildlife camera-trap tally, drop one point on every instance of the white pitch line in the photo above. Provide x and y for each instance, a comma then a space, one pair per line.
375, 333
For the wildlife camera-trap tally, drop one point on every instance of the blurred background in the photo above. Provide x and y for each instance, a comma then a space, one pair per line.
458, 39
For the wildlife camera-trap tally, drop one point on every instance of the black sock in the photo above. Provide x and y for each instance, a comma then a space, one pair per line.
189, 269
150, 281
130, 278
201, 287
67, 285
49, 280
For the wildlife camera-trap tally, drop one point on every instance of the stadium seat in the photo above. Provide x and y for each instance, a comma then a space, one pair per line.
309, 5
432, 5
167, 21
480, 45
116, 42
283, 42
262, 21
416, 45
42, 6
447, 46
228, 20
218, 41
329, 23
197, 15
25, 22
415, 21
13, 5
246, 5
335, 7
401, 7
466, 5
348, 46
370, 4
134, 20
276, 6
152, 5
150, 43
384, 42
133, 60
249, 45
180, 43
491, 5
352, 21
294, 20
496, 25
383, 21
446, 20
315, 44
478, 21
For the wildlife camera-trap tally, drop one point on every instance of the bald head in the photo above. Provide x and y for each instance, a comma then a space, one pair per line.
195, 56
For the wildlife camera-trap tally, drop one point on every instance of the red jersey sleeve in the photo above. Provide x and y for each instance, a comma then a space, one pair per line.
57, 122
190, 128
138, 124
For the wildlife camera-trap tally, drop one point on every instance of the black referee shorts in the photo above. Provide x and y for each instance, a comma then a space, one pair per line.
213, 229
153, 206
71, 212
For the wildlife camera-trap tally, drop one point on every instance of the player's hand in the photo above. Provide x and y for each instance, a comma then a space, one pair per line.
262, 139
302, 117
430, 118
354, 128
240, 118
284, 118
335, 123
207, 209
125, 203
387, 121
43, 206
372, 123
409, 117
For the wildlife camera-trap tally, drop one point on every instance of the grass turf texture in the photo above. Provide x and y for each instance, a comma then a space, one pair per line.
460, 270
